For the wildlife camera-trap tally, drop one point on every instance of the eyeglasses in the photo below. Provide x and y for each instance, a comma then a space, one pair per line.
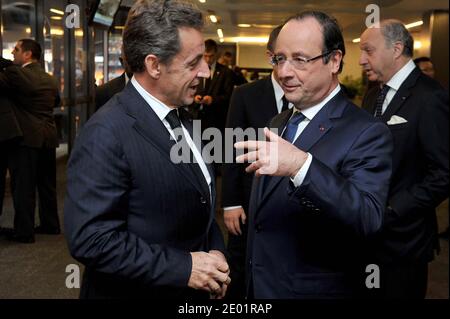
297, 62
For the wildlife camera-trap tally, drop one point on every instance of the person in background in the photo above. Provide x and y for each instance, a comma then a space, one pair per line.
33, 161
425, 65
252, 106
415, 109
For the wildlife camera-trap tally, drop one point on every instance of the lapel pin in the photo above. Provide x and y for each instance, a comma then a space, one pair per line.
321, 128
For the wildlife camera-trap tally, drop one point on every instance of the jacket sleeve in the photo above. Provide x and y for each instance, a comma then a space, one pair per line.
433, 136
96, 216
355, 196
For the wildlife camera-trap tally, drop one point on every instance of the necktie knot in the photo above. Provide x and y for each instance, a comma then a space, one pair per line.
292, 126
173, 119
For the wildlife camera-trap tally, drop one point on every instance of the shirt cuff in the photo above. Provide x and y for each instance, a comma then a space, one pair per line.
299, 178
231, 207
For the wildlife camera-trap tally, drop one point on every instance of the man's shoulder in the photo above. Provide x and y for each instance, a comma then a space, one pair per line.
253, 87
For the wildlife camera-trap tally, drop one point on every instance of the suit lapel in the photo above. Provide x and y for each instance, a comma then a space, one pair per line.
320, 125
150, 127
401, 95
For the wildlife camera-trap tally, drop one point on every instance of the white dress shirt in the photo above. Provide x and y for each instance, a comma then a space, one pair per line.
396, 81
309, 114
161, 111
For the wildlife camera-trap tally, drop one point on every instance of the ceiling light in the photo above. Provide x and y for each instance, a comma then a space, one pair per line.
202, 1
56, 18
357, 40
220, 33
57, 11
244, 25
213, 18
222, 40
417, 45
248, 39
414, 24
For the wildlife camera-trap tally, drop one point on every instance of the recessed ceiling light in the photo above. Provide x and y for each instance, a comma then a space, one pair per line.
244, 25
213, 18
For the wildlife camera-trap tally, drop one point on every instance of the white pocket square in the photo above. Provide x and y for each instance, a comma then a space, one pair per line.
395, 119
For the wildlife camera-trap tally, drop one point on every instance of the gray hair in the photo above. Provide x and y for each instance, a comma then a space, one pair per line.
152, 28
395, 31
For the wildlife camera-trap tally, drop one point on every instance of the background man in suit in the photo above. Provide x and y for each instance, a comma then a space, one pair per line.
105, 92
9, 132
315, 200
252, 106
425, 65
415, 108
33, 163
213, 95
142, 224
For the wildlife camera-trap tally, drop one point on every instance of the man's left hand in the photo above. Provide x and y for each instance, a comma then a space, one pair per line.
276, 156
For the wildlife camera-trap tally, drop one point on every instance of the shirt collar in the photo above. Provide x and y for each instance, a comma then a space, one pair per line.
310, 112
25, 64
398, 78
157, 106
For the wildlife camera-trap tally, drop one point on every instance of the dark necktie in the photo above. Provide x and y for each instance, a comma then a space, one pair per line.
380, 100
175, 124
292, 126
285, 104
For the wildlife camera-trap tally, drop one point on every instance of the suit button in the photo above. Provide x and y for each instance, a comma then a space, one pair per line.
203, 200
258, 228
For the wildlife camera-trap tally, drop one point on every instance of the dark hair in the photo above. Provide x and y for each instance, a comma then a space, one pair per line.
332, 34
33, 46
210, 45
152, 28
228, 54
422, 59
273, 38
395, 31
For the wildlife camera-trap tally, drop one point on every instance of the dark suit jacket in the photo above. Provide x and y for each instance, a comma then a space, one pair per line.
9, 127
220, 90
420, 175
105, 92
131, 215
35, 94
305, 242
252, 106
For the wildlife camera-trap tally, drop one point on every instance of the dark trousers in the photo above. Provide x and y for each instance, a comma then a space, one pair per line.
237, 248
3, 168
46, 186
33, 168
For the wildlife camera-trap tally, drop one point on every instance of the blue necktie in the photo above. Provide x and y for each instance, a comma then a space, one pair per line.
380, 100
292, 126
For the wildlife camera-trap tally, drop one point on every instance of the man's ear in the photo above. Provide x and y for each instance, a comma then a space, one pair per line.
398, 49
28, 55
152, 66
336, 58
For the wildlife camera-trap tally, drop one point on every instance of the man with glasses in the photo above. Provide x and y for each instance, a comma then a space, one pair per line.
322, 184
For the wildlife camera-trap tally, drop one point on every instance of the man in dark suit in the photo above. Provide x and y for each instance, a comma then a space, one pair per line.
321, 186
415, 109
141, 222
105, 92
33, 162
213, 94
10, 132
252, 106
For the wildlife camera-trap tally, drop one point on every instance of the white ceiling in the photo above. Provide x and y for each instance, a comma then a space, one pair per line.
350, 13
